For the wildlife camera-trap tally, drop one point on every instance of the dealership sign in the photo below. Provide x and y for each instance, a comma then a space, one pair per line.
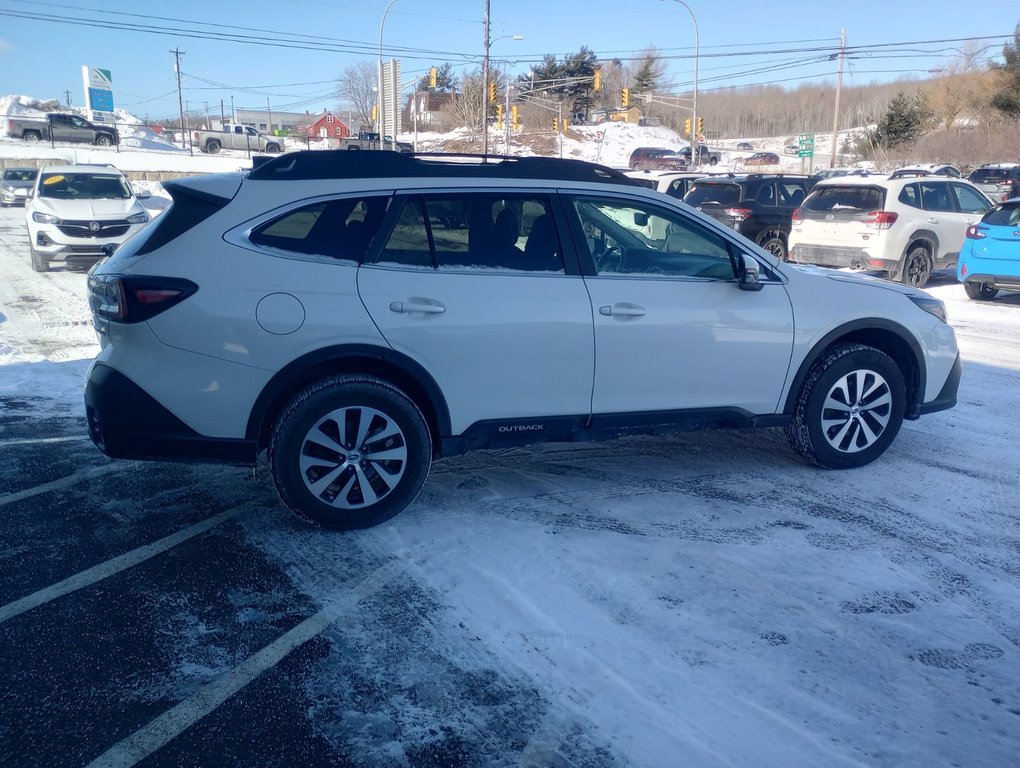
98, 93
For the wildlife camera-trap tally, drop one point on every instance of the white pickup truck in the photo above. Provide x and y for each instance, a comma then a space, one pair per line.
236, 137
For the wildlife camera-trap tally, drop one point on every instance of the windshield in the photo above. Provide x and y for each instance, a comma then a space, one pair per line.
84, 186
713, 194
19, 174
848, 198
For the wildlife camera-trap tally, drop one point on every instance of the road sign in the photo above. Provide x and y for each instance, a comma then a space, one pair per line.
806, 152
806, 140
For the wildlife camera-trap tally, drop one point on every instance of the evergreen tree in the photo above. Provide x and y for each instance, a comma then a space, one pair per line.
904, 121
648, 75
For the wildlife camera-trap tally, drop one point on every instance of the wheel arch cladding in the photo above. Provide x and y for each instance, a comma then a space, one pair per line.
885, 335
399, 370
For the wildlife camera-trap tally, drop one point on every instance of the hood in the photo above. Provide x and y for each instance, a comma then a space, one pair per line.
88, 209
855, 278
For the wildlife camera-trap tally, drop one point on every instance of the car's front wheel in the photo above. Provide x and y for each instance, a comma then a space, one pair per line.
39, 263
980, 291
349, 451
849, 409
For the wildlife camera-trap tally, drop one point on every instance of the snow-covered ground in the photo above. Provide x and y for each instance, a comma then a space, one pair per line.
698, 600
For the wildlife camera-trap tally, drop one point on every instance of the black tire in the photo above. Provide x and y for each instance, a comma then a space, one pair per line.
31, 136
104, 140
713, 160
917, 266
774, 244
341, 505
856, 427
980, 291
39, 264
212, 146
273, 149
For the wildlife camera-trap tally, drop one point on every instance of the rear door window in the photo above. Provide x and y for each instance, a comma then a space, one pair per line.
935, 196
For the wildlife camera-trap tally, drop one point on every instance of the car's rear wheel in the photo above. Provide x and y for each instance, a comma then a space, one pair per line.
916, 266
774, 244
349, 452
273, 149
980, 291
850, 407
31, 136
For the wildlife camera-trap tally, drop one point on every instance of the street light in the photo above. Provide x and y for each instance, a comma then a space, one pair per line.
382, 96
697, 56
485, 78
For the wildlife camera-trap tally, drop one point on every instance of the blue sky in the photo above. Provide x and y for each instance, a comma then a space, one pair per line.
43, 58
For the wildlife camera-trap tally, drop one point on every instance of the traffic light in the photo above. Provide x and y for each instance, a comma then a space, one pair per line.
499, 113
687, 126
513, 115
701, 125
492, 92
625, 97
375, 112
556, 123
598, 79
566, 122
433, 77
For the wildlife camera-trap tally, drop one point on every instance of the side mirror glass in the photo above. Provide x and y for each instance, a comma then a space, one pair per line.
143, 194
749, 277
641, 219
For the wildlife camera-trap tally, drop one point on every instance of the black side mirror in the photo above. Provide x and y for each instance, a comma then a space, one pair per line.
749, 277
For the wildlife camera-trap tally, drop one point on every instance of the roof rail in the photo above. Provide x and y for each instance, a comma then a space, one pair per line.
344, 164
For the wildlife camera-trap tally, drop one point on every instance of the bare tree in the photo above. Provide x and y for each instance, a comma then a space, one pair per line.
467, 107
358, 84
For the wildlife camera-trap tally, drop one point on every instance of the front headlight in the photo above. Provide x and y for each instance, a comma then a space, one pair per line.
8, 188
44, 218
138, 218
932, 306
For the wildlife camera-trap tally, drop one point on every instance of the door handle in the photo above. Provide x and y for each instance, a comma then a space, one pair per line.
933, 221
417, 306
622, 310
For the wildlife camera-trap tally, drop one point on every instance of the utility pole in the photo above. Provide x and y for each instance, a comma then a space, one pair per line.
177, 52
506, 115
559, 122
223, 117
233, 114
270, 123
67, 98
485, 85
839, 90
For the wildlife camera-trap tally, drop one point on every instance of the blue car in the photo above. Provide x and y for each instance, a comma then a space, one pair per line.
990, 259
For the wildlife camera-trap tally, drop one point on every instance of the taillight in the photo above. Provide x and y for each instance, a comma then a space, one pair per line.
740, 214
976, 232
881, 219
797, 215
129, 299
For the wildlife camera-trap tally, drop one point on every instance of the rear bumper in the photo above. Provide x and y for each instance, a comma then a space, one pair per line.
839, 256
125, 422
1005, 282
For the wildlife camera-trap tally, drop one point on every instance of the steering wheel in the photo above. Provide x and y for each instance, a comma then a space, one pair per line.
610, 260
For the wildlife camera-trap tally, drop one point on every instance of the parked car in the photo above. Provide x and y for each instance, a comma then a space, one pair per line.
792, 148
745, 146
648, 158
990, 259
77, 212
758, 206
999, 181
832, 173
673, 183
242, 137
926, 169
903, 228
372, 141
15, 184
314, 309
705, 155
62, 127
762, 158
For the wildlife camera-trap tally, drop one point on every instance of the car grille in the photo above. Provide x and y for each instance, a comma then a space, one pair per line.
84, 228
85, 250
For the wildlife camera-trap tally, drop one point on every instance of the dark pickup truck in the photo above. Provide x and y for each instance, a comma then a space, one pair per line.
62, 127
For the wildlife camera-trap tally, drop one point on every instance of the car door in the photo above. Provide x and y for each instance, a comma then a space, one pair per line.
475, 287
942, 217
672, 329
60, 125
971, 206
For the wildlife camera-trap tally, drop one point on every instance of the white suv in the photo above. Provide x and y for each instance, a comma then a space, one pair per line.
80, 212
902, 227
358, 314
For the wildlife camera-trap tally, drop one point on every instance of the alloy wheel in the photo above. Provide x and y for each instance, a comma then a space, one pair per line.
856, 411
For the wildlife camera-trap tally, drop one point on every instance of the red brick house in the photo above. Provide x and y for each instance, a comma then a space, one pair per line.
324, 126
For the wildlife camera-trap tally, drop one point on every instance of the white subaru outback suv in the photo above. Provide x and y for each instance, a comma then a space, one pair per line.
902, 226
80, 212
356, 315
